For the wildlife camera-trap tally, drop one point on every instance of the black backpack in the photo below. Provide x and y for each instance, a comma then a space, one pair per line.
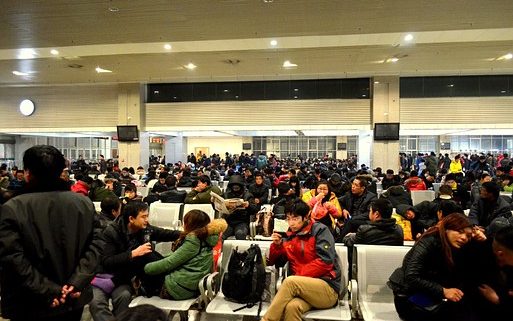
244, 280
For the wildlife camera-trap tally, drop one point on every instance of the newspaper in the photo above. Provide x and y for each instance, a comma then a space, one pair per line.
280, 225
226, 206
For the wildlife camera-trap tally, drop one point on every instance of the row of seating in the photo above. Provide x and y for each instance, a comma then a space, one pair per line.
370, 298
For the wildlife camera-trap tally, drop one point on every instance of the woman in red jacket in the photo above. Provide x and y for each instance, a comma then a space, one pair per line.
309, 248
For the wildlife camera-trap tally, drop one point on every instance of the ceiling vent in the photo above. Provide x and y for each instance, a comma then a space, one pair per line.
232, 62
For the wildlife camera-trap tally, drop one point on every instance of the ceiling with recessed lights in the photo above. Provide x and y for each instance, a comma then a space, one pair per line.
43, 42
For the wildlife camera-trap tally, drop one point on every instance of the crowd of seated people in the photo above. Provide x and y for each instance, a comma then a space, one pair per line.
342, 198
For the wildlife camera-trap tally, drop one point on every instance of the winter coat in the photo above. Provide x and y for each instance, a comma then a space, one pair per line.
189, 263
98, 194
117, 258
260, 191
483, 213
172, 195
327, 212
382, 232
241, 215
455, 167
47, 240
397, 195
310, 252
425, 270
195, 197
358, 207
81, 188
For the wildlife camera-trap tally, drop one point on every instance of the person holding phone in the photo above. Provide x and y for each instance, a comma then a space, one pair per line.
433, 281
127, 250
309, 247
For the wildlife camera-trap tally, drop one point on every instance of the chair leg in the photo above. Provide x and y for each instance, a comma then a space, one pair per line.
184, 315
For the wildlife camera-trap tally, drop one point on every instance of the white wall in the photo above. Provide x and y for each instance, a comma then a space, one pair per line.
217, 145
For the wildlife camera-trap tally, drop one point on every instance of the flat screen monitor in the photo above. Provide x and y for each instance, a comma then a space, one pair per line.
128, 133
386, 131
246, 146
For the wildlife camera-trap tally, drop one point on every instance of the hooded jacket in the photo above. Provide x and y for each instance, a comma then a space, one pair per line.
189, 263
382, 232
310, 252
397, 195
327, 212
240, 215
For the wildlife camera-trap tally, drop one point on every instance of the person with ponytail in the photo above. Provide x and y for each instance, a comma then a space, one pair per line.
432, 282
191, 258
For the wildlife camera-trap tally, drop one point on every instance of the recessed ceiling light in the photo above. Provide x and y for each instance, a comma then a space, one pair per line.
156, 92
295, 96
236, 97
113, 9
376, 82
167, 46
288, 64
364, 95
503, 91
101, 70
226, 90
408, 37
19, 73
27, 53
54, 52
267, 1
296, 89
190, 66
450, 85
393, 59
273, 42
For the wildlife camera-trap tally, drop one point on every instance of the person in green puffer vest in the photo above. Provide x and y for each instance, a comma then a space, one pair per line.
191, 258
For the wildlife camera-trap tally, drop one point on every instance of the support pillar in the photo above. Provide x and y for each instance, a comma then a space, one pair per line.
131, 112
385, 109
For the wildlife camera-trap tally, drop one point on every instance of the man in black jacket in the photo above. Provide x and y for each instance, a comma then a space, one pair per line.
356, 205
259, 190
238, 221
172, 195
49, 249
382, 229
489, 207
127, 250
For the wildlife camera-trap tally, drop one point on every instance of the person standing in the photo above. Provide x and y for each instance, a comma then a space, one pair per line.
48, 246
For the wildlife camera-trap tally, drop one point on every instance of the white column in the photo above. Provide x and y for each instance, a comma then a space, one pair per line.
364, 147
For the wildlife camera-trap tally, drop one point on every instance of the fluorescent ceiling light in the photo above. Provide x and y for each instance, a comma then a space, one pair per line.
408, 37
27, 53
54, 52
205, 133
331, 132
393, 59
190, 66
273, 42
288, 64
506, 56
101, 70
167, 46
19, 73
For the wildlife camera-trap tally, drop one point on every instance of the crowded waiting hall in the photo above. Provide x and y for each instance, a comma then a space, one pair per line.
259, 160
